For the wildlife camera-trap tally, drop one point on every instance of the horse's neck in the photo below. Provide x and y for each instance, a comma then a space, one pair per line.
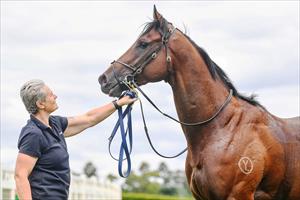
197, 95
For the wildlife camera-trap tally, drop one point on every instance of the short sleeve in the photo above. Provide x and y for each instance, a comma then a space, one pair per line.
31, 143
63, 121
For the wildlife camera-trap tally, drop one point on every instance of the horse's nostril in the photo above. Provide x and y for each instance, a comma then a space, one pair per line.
102, 79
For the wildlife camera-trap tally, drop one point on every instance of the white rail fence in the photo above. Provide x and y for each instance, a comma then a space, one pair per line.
81, 188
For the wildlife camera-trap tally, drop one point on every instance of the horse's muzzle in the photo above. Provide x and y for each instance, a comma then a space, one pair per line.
103, 83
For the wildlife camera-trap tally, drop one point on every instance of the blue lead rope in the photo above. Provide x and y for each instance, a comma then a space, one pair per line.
123, 147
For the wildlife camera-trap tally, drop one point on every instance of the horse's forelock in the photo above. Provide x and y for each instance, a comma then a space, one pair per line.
156, 24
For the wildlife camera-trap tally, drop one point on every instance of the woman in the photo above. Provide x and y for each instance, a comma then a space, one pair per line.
42, 166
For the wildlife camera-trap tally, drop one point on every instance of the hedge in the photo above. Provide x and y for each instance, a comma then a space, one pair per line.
143, 196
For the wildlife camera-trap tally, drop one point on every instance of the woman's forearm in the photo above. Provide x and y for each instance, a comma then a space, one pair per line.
23, 188
99, 114
79, 123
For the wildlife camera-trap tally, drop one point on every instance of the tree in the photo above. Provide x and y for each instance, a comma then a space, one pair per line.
159, 181
164, 172
174, 182
140, 184
112, 178
144, 168
166, 175
90, 170
144, 182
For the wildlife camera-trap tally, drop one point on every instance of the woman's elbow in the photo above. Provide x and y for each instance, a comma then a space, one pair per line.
19, 176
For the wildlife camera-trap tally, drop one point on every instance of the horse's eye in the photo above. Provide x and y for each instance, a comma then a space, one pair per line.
143, 45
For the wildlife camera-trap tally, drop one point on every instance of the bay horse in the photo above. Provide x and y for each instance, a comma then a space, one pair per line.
243, 152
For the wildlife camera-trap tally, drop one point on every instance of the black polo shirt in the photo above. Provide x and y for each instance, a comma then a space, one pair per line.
50, 177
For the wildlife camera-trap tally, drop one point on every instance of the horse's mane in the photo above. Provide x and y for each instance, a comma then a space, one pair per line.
213, 68
216, 71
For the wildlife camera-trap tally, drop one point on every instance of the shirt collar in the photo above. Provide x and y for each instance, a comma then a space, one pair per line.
37, 122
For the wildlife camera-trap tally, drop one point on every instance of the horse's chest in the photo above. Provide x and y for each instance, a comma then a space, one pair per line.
212, 170
203, 185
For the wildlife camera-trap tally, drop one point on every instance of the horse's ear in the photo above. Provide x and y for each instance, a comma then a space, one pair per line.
156, 15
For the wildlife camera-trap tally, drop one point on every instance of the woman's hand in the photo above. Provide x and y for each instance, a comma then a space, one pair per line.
126, 100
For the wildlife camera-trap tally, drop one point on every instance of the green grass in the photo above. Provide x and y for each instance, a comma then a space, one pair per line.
143, 196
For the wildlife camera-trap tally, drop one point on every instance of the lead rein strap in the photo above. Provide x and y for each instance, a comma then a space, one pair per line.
149, 139
132, 85
185, 123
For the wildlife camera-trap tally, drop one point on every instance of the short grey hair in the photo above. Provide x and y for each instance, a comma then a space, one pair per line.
31, 92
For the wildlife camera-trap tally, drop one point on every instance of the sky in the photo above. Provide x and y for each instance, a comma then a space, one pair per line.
68, 44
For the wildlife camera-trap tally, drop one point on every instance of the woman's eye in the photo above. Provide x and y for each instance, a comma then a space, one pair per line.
143, 45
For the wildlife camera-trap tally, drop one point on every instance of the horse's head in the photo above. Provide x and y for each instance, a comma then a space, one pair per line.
147, 60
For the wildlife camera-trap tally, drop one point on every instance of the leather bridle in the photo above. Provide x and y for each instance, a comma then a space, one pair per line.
139, 66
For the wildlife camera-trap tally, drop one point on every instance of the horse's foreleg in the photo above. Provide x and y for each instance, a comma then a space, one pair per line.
242, 190
241, 196
191, 182
257, 195
188, 172
260, 195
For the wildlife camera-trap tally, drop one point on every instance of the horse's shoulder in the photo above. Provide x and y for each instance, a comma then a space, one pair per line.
251, 114
294, 124
284, 129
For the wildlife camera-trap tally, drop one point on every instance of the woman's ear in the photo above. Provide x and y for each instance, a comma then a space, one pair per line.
40, 104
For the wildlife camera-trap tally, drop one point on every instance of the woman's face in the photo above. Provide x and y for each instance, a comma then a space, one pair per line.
49, 104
